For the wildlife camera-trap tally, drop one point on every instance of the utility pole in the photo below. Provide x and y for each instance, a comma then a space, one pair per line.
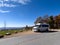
4, 25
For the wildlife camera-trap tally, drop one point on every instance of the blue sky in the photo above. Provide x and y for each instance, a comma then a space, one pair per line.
19, 13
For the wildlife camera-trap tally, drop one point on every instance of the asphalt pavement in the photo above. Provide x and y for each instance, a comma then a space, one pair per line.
37, 38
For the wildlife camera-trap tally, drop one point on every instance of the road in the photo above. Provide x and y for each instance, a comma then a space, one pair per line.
46, 38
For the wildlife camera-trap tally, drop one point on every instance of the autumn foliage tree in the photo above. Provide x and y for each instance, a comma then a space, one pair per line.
53, 21
57, 21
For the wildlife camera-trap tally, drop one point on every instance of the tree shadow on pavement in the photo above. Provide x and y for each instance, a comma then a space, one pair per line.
46, 31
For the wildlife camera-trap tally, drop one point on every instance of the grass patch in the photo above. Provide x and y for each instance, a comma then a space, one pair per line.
3, 32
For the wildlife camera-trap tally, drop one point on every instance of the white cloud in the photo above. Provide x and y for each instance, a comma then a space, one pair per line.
4, 11
2, 4
7, 5
11, 3
24, 1
21, 1
6, 0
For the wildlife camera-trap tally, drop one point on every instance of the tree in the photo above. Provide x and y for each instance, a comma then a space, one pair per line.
38, 20
51, 22
26, 28
42, 19
57, 21
46, 18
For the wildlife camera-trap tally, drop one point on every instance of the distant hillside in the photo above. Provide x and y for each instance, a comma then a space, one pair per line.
11, 28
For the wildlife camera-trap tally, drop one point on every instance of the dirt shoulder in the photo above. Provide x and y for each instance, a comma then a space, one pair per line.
20, 34
25, 33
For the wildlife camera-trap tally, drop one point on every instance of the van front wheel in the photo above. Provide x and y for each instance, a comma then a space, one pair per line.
47, 30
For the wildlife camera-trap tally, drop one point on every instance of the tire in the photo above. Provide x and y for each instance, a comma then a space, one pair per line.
47, 30
38, 30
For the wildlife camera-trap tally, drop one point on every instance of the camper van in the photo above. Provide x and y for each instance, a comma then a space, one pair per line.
41, 27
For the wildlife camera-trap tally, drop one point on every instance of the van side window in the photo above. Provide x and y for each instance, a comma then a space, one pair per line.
45, 26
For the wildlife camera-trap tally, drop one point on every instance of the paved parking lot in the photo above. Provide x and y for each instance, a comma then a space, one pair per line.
37, 38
